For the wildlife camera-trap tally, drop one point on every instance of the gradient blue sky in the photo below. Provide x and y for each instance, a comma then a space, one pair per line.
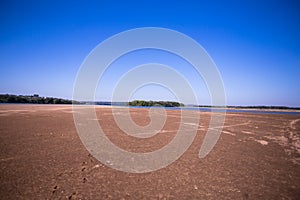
255, 44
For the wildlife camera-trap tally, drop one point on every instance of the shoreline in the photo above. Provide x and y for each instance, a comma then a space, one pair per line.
202, 109
258, 109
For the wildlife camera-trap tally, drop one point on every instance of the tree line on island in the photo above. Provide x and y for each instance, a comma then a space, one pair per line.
155, 103
34, 99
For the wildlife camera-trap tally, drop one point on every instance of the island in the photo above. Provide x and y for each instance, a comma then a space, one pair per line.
155, 103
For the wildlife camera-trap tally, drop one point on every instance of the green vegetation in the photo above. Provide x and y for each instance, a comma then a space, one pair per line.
155, 103
36, 99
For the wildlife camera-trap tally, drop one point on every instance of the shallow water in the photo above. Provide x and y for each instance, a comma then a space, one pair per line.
225, 110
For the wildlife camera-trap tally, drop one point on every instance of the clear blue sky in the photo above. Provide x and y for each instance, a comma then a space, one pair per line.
255, 44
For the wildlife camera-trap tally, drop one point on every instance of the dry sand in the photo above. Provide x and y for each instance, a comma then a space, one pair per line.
42, 157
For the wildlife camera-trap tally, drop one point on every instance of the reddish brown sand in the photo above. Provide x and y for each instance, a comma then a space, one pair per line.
42, 157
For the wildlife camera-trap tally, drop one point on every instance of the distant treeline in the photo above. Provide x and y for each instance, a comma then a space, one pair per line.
265, 107
253, 107
155, 103
36, 99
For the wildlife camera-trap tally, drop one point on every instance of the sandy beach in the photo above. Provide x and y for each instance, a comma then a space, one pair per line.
42, 157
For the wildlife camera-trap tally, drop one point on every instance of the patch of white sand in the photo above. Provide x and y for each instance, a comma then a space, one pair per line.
228, 133
262, 142
248, 132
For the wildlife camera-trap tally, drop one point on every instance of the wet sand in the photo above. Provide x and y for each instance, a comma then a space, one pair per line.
42, 157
